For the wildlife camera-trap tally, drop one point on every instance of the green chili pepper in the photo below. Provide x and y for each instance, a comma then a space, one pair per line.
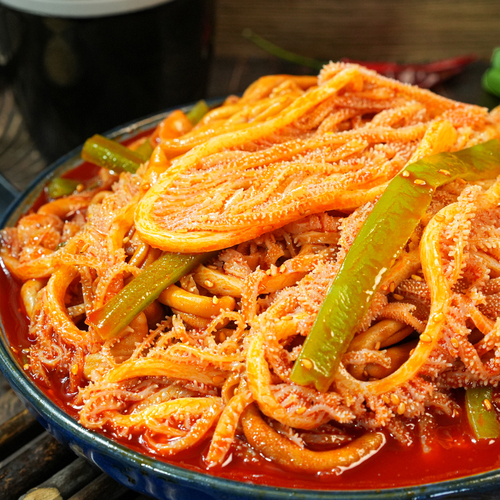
380, 240
59, 186
491, 77
481, 413
277, 51
491, 81
145, 149
197, 112
116, 314
110, 154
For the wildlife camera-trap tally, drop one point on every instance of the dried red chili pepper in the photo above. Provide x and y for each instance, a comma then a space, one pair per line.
424, 75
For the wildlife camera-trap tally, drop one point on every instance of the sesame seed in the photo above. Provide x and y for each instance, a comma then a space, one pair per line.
306, 363
401, 408
386, 399
405, 173
444, 172
301, 410
487, 404
416, 277
395, 399
439, 316
454, 342
215, 300
218, 379
80, 188
397, 296
419, 182
126, 240
425, 338
26, 366
208, 284
377, 346
392, 287
74, 369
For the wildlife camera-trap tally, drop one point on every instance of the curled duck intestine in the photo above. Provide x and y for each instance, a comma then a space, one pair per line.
278, 183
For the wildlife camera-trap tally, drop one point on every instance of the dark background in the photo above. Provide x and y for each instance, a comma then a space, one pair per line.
401, 30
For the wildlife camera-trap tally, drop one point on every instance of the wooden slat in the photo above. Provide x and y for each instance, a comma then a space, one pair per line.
31, 465
402, 30
101, 488
17, 431
10, 405
65, 483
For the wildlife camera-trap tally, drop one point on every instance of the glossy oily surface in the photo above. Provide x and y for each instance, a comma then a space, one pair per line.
165, 481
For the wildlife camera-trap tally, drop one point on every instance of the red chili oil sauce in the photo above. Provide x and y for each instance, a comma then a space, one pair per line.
454, 453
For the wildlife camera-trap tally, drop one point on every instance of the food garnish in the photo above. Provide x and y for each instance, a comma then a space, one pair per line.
379, 242
112, 155
115, 315
481, 413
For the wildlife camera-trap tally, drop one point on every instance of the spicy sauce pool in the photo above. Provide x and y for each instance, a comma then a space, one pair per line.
452, 454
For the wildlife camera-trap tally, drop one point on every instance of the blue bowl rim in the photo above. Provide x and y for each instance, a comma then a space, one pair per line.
49, 411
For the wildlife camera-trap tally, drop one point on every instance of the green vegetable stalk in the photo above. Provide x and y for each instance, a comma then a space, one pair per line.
481, 413
277, 51
197, 112
59, 186
380, 240
111, 154
116, 314
145, 149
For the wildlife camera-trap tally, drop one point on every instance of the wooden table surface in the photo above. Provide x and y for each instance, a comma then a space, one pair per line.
29, 457
387, 30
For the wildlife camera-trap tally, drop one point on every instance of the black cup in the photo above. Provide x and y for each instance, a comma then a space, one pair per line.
73, 76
